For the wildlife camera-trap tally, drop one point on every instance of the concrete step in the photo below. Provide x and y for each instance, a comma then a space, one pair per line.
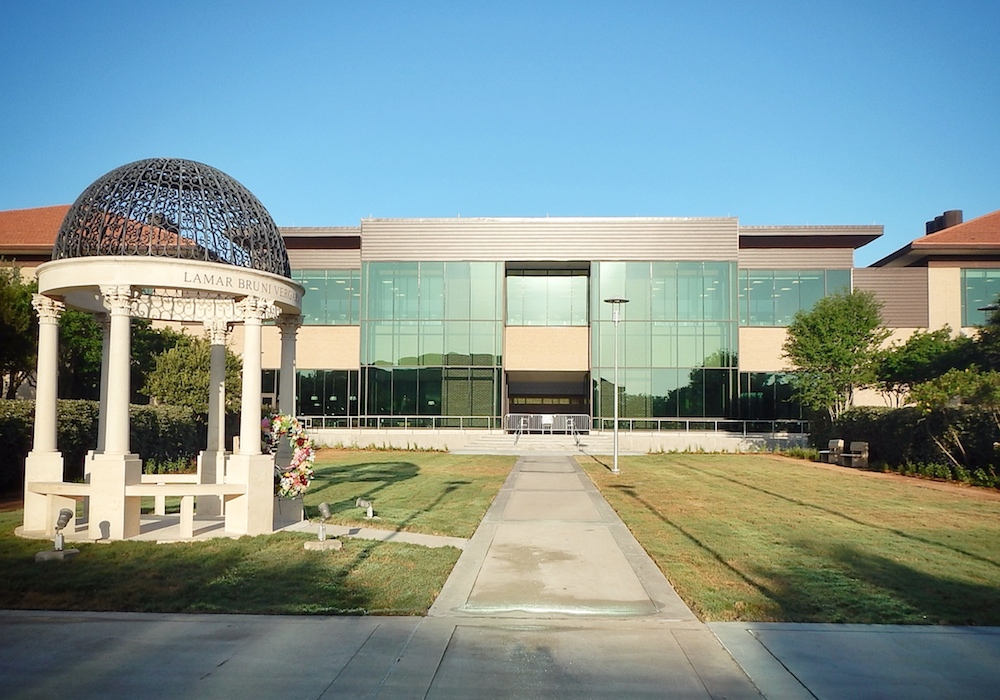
503, 443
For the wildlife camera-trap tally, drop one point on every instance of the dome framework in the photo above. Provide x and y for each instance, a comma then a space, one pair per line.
172, 208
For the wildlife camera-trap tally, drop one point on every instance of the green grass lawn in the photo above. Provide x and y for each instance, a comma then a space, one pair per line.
741, 537
435, 493
765, 538
273, 574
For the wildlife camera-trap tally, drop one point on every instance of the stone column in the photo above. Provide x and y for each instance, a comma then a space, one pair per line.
45, 463
117, 300
254, 310
211, 461
46, 383
113, 514
251, 513
289, 326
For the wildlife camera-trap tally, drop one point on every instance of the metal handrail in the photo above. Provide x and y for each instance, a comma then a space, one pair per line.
573, 424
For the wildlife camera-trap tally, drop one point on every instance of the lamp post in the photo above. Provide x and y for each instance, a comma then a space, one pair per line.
616, 304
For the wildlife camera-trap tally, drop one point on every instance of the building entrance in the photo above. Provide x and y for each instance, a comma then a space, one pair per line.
550, 401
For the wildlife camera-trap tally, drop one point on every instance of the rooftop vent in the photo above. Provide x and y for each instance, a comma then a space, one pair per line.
950, 218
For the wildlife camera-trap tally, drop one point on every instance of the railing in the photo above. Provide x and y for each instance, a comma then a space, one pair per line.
402, 422
571, 424
704, 425
546, 422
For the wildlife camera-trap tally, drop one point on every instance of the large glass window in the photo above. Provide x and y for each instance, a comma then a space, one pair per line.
327, 394
980, 287
676, 339
773, 297
547, 297
427, 327
333, 297
432, 391
767, 396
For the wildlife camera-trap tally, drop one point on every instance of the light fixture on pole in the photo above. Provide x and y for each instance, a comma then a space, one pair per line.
616, 304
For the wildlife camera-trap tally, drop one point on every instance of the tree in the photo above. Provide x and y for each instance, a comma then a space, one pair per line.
833, 350
950, 398
80, 348
924, 356
181, 377
18, 329
81, 345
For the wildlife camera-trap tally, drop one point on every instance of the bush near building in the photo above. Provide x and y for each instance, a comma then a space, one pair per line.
906, 440
160, 435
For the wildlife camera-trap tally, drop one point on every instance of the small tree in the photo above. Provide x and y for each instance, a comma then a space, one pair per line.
833, 350
924, 356
18, 329
950, 399
182, 374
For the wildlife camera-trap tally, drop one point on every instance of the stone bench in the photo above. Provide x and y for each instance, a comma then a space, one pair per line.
59, 491
831, 455
187, 493
857, 457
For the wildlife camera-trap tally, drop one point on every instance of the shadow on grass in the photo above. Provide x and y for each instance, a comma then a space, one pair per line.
759, 585
844, 516
374, 476
865, 588
856, 586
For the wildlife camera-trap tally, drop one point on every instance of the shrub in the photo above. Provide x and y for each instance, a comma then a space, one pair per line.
161, 435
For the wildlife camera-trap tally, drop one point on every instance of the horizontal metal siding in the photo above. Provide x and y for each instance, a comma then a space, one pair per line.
554, 239
903, 292
325, 259
797, 259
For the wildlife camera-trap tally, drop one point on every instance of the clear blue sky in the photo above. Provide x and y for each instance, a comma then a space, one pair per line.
884, 112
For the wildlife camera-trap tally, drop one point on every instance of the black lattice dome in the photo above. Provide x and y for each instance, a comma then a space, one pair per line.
172, 208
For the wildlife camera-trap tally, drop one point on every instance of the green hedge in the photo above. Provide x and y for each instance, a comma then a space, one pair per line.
160, 434
902, 440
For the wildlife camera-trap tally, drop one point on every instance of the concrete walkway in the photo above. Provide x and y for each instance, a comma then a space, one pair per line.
551, 598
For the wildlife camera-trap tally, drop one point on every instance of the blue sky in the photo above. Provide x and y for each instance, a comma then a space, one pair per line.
867, 112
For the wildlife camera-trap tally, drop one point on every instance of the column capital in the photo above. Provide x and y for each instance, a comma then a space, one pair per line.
47, 308
251, 308
217, 329
289, 324
117, 298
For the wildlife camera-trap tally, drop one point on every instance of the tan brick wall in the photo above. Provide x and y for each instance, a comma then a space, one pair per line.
760, 349
546, 348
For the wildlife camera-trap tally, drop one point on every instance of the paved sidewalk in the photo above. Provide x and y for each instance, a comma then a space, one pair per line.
551, 598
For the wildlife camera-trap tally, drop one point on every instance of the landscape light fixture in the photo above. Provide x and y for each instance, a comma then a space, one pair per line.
65, 515
616, 304
59, 551
324, 512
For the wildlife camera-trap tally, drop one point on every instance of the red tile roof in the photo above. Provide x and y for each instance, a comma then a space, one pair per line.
23, 230
981, 232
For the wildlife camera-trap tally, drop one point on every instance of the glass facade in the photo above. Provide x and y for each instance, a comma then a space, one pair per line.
677, 339
547, 297
432, 335
767, 396
329, 394
432, 338
980, 287
772, 297
332, 298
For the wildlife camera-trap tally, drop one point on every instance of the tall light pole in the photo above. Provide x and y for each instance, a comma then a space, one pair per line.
616, 304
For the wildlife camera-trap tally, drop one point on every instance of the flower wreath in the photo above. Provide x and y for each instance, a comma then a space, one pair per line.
292, 481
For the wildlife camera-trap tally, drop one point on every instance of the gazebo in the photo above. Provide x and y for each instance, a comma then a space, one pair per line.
171, 240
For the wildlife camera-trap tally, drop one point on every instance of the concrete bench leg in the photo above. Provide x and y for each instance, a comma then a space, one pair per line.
187, 517
160, 507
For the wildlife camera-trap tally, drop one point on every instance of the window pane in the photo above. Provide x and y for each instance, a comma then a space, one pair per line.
431, 290
811, 288
485, 296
